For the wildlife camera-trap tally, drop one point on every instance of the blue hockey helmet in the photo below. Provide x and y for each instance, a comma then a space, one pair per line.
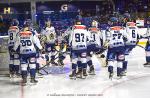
27, 23
14, 22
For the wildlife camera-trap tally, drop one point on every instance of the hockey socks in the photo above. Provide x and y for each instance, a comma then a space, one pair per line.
125, 63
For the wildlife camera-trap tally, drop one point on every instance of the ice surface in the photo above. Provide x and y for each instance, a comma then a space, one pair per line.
135, 85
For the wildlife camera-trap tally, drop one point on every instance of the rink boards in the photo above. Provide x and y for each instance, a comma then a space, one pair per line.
4, 56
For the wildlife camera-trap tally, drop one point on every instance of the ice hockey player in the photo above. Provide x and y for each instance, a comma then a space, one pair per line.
14, 56
29, 26
115, 38
147, 50
26, 42
130, 43
94, 45
78, 43
50, 40
62, 43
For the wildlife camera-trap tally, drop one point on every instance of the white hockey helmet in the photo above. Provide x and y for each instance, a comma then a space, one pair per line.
48, 22
94, 23
130, 24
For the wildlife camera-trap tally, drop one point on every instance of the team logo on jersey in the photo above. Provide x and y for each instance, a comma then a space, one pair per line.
51, 36
43, 38
83, 55
121, 57
32, 60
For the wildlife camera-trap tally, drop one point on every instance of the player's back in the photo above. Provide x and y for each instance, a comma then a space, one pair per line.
132, 32
79, 37
26, 42
116, 36
12, 32
95, 36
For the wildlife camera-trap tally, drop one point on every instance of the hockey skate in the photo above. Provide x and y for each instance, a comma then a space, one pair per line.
54, 63
79, 73
84, 73
33, 80
124, 73
111, 75
24, 81
91, 70
119, 76
73, 75
12, 74
147, 64
60, 63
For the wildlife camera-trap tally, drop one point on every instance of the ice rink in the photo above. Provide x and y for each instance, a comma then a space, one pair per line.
135, 85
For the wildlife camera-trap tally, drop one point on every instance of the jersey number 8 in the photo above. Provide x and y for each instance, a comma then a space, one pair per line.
11, 36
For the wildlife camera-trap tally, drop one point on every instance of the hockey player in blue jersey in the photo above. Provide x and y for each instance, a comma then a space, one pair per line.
115, 38
130, 43
94, 44
25, 43
14, 56
78, 43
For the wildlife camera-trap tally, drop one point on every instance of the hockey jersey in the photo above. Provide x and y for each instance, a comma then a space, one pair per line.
26, 40
132, 32
12, 33
78, 37
50, 34
95, 37
115, 36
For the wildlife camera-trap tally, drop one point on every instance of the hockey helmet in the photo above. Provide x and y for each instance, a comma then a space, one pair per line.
94, 23
14, 22
27, 23
78, 22
148, 20
130, 24
48, 22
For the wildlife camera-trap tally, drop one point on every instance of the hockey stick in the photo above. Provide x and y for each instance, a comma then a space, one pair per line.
54, 58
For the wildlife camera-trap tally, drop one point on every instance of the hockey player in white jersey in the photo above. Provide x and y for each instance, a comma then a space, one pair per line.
94, 44
26, 42
116, 35
130, 43
78, 43
14, 56
50, 41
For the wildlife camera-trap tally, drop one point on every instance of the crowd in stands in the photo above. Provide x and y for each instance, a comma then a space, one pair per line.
62, 21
